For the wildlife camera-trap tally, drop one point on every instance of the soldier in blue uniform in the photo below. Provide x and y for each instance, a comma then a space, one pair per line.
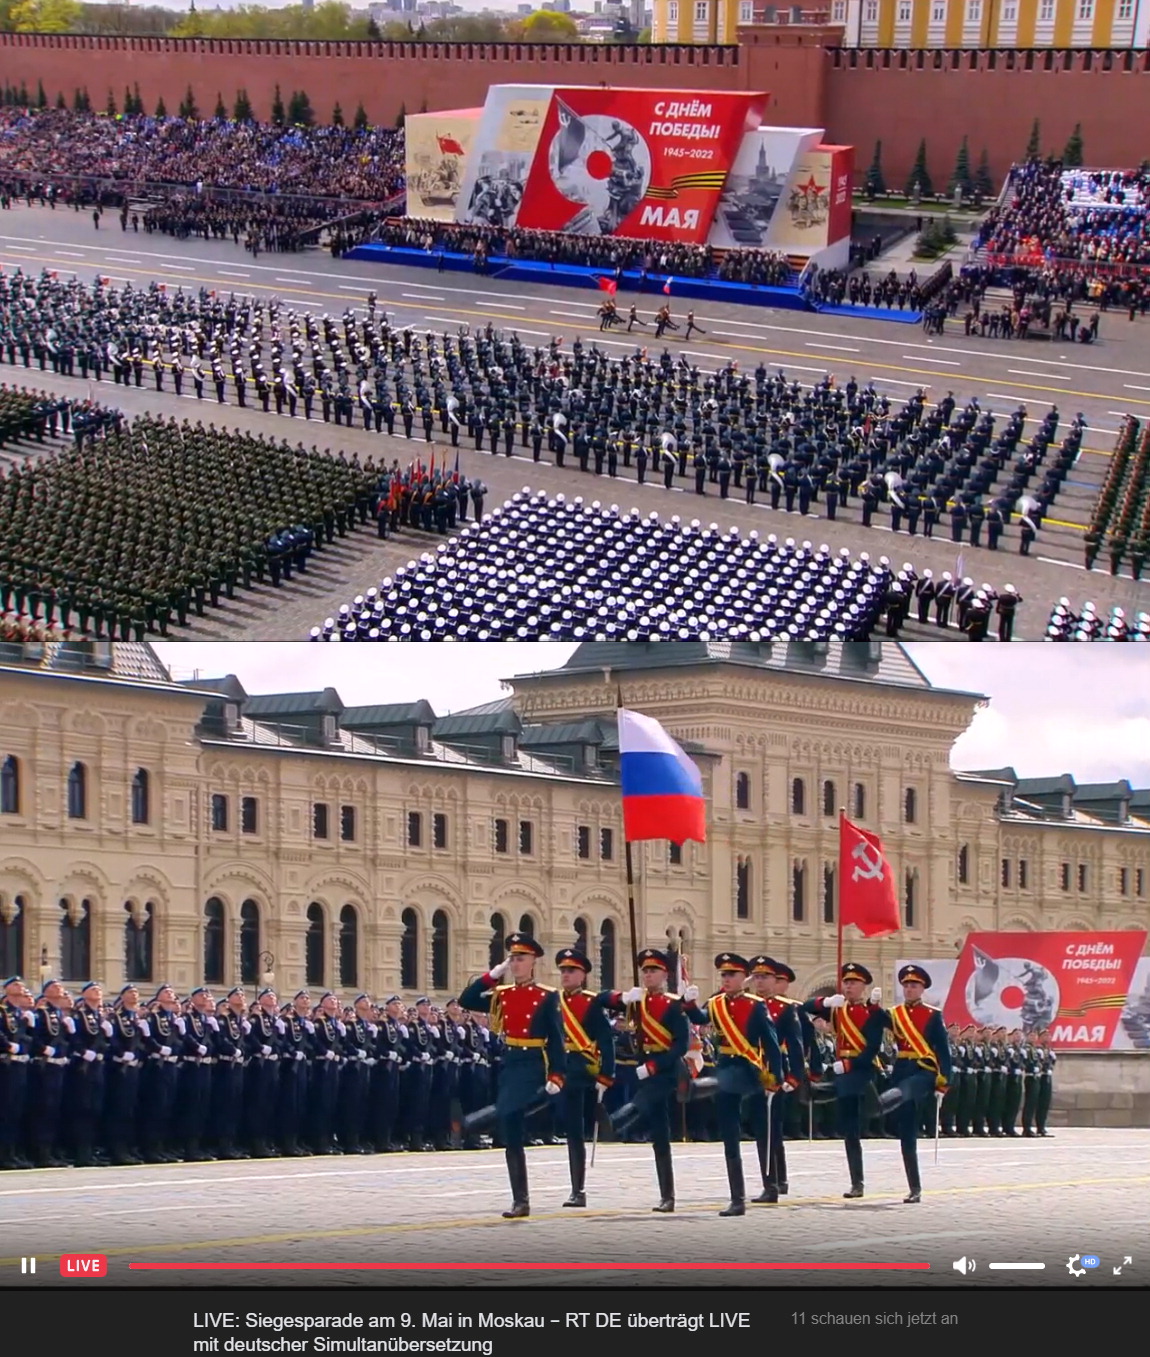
294, 1075
52, 1036
356, 1078
527, 1016
157, 1094
922, 1064
15, 1056
126, 1050
853, 1019
661, 1034
84, 1087
265, 1043
390, 1056
323, 1090
228, 1078
194, 1093
590, 1067
749, 1065
418, 1078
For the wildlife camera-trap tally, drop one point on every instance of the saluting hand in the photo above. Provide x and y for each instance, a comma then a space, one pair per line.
632, 996
834, 1001
691, 993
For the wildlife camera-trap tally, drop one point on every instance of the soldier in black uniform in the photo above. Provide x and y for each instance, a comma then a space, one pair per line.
323, 1091
124, 1058
261, 1087
294, 1075
158, 1077
15, 1056
359, 1048
52, 1037
418, 1077
390, 1058
590, 1067
193, 1095
228, 1078
84, 1087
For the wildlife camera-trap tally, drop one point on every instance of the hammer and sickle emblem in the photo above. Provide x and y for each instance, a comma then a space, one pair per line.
871, 869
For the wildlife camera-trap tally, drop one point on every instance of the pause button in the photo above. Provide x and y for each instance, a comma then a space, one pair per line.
27, 1265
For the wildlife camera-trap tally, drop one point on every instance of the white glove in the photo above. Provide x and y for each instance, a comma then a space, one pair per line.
281, 1026
600, 1093
341, 1028
89, 1056
834, 1000
329, 1055
642, 1072
49, 1051
213, 1023
425, 1058
393, 1056
69, 1024
838, 1067
13, 1049
551, 1088
200, 1050
402, 1030
129, 1057
632, 996
165, 1050
143, 1026
265, 1050
876, 995
308, 1026
299, 1055
691, 993
361, 1054
181, 1025
107, 1026
247, 1027
30, 1019
451, 1057
498, 972
373, 1029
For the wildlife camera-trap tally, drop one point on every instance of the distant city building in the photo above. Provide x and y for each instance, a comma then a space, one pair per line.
920, 23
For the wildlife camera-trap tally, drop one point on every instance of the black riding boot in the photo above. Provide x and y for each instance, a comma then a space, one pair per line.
770, 1193
665, 1171
738, 1206
855, 1165
910, 1163
517, 1172
577, 1158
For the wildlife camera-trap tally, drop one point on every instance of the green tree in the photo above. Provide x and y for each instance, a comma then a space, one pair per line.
242, 112
161, 108
221, 113
188, 107
360, 121
43, 16
337, 115
129, 103
80, 101
1032, 146
41, 97
300, 112
373, 30
983, 180
544, 26
22, 98
920, 175
960, 178
1072, 155
110, 107
61, 102
875, 183
279, 116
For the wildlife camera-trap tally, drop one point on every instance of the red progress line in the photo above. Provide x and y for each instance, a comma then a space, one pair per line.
532, 1267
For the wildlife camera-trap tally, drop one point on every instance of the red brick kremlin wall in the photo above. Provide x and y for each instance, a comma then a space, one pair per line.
859, 96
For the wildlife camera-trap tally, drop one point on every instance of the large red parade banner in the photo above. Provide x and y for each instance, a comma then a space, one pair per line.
639, 163
1077, 985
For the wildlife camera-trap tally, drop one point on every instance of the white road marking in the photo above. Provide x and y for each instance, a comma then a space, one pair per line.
890, 381
294, 282
508, 305
921, 358
1128, 387
1018, 372
422, 297
24, 249
72, 254
841, 348
441, 320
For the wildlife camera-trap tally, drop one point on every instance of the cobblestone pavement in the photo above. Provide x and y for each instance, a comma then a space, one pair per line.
1082, 1191
1093, 380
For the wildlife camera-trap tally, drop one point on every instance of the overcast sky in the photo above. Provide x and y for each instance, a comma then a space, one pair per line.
1079, 709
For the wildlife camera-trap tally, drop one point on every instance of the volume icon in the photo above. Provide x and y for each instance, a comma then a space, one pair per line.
963, 1265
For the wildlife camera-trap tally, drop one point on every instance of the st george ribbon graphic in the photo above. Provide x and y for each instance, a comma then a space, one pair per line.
637, 163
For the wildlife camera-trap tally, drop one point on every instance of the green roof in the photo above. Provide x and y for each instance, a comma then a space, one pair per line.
419, 713
477, 722
293, 704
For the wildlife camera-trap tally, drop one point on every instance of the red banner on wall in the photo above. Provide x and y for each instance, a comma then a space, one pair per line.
1074, 984
640, 163
842, 175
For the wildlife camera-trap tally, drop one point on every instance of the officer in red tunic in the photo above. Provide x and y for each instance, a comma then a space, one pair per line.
921, 1068
749, 1065
527, 1016
661, 1034
764, 980
853, 1018
590, 1067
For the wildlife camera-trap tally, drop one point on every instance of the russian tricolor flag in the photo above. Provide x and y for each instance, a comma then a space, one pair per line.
662, 788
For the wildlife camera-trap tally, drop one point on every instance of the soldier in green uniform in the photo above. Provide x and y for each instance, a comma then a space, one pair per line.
996, 1080
1014, 1081
1045, 1081
953, 1099
1031, 1073
964, 1119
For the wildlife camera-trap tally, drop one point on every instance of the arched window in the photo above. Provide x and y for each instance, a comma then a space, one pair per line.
964, 865
214, 942
910, 806
743, 792
76, 940
828, 894
498, 948
12, 935
10, 786
440, 960
798, 797
527, 925
911, 899
829, 798
607, 954
743, 888
78, 792
140, 797
314, 946
799, 892
250, 942
349, 947
860, 801
138, 939
582, 932
409, 950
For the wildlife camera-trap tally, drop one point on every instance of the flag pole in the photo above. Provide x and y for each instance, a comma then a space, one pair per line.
839, 911
629, 858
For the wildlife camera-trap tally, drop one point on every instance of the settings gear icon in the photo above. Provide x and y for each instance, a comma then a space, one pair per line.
1073, 1269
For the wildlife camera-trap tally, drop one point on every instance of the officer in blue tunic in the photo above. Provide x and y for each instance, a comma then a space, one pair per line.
526, 1014
922, 1066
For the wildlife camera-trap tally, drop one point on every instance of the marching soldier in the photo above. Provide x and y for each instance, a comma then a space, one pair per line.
1012, 1100
922, 1064
590, 1066
124, 1058
261, 1088
194, 1093
418, 1079
295, 1069
1046, 1081
1031, 1074
749, 1068
52, 1038
228, 1078
660, 1030
996, 1073
323, 1083
764, 979
964, 1113
528, 1017
15, 1056
390, 1057
158, 1078
356, 1079
84, 1086
853, 1020
981, 1064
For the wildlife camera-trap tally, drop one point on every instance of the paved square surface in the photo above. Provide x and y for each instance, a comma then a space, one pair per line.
436, 1218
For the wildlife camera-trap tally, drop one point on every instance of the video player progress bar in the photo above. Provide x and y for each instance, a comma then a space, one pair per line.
531, 1267
1017, 1267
